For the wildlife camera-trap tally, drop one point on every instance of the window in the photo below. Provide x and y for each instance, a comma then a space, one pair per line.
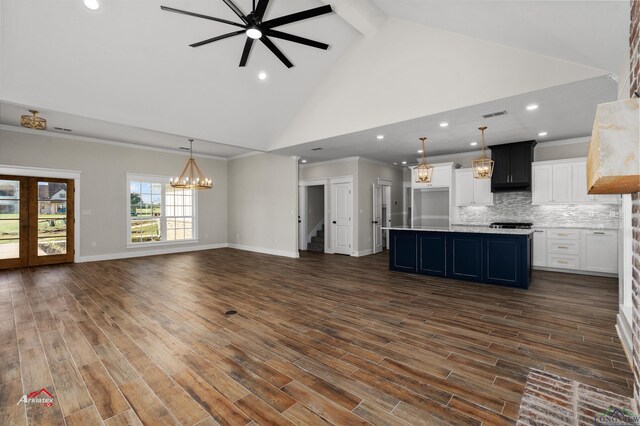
159, 213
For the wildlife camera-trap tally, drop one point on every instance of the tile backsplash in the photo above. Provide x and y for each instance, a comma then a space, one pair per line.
516, 207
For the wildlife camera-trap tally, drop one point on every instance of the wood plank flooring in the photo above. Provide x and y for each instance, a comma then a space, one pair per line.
324, 339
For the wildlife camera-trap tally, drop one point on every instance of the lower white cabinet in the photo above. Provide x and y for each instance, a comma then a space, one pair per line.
599, 251
589, 250
539, 247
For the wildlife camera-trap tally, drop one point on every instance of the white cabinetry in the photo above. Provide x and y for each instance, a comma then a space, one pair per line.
440, 177
539, 247
588, 250
470, 191
599, 251
564, 182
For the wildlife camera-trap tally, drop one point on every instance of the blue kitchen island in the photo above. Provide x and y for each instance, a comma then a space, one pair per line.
480, 254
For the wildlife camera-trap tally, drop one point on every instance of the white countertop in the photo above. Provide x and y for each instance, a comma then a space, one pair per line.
548, 226
467, 229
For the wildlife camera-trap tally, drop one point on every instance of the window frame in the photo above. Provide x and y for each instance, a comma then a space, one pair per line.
164, 180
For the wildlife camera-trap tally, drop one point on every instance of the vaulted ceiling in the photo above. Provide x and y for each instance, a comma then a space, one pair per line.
129, 65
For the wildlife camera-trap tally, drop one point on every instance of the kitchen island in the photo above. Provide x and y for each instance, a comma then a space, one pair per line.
472, 253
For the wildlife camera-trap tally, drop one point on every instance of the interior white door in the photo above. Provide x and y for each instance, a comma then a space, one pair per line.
386, 220
302, 218
341, 208
377, 218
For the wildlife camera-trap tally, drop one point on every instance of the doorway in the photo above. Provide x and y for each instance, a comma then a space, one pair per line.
314, 232
381, 214
36, 221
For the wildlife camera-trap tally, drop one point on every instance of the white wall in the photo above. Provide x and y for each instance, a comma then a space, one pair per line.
103, 188
263, 204
376, 83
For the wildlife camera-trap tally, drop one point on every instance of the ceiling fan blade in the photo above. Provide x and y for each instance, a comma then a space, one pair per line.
220, 37
272, 47
236, 10
298, 16
261, 9
197, 15
297, 39
246, 51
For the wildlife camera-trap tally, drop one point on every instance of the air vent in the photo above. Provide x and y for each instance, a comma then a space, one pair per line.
316, 149
62, 129
494, 114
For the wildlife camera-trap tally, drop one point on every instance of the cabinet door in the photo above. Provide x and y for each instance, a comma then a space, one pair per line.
521, 156
599, 251
402, 255
482, 195
431, 253
464, 255
541, 184
502, 165
502, 259
561, 183
579, 183
539, 247
441, 176
465, 187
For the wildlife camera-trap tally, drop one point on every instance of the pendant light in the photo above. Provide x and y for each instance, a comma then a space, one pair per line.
33, 121
191, 176
424, 170
482, 167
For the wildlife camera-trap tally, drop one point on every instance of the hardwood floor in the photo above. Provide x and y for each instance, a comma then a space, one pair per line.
318, 340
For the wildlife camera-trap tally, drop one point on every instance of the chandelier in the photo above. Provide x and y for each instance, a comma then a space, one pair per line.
33, 121
191, 176
482, 167
424, 170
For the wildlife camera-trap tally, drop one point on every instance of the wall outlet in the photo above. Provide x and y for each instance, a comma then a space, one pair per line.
590, 214
94, 244
613, 214
86, 212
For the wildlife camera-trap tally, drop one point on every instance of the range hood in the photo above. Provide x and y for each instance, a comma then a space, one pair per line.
613, 165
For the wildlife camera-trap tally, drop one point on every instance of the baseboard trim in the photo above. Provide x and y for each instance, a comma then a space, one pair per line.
361, 253
575, 271
264, 250
154, 252
624, 332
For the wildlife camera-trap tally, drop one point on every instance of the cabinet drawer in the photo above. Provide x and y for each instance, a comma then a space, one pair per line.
569, 261
563, 246
563, 234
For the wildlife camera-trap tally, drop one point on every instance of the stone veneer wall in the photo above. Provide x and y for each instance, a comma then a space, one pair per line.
634, 67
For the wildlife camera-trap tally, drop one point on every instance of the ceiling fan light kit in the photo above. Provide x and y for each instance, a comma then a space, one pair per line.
256, 29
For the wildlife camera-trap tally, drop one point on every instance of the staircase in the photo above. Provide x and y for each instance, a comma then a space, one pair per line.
317, 242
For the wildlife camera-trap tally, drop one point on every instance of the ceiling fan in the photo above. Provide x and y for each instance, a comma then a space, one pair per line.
256, 29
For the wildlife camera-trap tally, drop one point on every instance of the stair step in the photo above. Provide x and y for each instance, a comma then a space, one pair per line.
320, 234
318, 240
317, 247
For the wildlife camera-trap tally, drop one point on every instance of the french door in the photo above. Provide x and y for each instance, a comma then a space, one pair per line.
36, 221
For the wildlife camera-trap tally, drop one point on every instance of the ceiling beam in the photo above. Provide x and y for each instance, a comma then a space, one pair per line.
363, 15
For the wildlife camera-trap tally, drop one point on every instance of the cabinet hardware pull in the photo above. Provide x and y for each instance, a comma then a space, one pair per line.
564, 235
538, 231
563, 247
599, 233
562, 261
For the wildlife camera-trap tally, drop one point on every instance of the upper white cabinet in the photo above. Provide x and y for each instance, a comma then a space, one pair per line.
441, 176
470, 191
564, 182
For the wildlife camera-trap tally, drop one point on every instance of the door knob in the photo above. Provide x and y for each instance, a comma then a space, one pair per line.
375, 221
334, 221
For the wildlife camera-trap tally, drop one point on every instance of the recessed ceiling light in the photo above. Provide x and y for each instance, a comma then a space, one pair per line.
404, 162
253, 33
303, 161
380, 137
419, 151
532, 107
542, 134
92, 4
395, 164
473, 143
444, 124
262, 75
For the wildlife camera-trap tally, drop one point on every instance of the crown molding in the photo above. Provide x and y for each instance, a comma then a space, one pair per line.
51, 134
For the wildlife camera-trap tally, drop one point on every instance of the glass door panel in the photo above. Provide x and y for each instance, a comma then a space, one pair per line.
13, 221
51, 224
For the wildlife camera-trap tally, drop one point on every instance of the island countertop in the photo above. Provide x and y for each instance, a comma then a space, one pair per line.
465, 229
